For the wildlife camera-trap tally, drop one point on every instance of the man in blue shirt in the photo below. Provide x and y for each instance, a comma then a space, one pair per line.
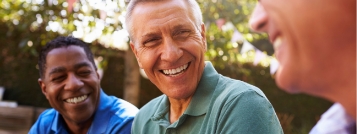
71, 84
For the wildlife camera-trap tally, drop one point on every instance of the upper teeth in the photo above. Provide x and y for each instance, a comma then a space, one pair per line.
77, 99
175, 71
277, 43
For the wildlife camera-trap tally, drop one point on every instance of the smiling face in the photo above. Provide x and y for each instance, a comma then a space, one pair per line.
71, 84
307, 35
168, 46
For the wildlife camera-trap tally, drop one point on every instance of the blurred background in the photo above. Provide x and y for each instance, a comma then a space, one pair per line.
234, 50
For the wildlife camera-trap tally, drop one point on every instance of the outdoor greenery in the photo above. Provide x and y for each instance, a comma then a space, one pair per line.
26, 25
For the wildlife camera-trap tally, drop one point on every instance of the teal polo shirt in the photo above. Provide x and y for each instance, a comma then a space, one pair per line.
219, 105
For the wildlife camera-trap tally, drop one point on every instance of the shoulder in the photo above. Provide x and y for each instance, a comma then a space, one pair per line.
120, 109
235, 89
143, 118
46, 117
44, 122
118, 113
241, 97
150, 108
242, 104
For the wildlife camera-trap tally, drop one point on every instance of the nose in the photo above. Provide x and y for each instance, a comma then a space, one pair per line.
73, 83
259, 19
171, 51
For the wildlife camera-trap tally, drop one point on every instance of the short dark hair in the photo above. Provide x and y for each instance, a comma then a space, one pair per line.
60, 42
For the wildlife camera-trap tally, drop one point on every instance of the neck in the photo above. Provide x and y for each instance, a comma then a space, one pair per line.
342, 84
350, 105
345, 94
78, 128
177, 108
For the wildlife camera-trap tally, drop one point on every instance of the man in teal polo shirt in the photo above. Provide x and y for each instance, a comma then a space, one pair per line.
168, 39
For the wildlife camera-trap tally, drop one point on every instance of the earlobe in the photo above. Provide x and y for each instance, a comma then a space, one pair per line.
132, 46
43, 86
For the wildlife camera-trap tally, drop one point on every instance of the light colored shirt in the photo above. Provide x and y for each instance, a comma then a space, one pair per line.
219, 105
113, 116
335, 121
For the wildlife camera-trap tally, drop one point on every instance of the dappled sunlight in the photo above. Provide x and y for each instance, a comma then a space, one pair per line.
232, 47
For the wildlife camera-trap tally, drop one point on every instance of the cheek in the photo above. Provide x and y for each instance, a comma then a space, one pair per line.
96, 84
147, 58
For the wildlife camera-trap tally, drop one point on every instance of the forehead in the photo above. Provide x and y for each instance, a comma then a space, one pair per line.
151, 15
65, 57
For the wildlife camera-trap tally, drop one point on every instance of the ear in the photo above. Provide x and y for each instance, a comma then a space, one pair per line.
96, 71
43, 87
97, 74
133, 48
203, 35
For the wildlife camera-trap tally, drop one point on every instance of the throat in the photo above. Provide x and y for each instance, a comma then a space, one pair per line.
177, 108
78, 128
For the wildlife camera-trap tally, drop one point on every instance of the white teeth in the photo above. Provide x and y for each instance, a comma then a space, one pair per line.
277, 43
76, 99
172, 71
176, 70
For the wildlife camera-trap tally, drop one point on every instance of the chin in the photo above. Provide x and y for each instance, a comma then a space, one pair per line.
287, 83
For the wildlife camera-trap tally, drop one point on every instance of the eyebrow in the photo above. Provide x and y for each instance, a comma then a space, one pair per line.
57, 70
82, 64
151, 34
177, 27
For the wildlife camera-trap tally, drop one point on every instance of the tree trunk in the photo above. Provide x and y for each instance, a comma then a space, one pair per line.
131, 79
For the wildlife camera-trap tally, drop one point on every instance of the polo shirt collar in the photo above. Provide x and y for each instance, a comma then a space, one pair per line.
199, 102
205, 89
162, 110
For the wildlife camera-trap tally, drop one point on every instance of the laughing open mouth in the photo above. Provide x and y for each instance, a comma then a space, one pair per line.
175, 71
78, 99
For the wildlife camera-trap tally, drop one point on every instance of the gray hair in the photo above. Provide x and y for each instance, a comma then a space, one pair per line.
194, 9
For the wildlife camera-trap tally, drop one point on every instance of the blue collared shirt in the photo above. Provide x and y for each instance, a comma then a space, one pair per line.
113, 115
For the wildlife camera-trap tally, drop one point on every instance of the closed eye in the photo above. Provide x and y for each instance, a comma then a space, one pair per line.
151, 41
58, 78
182, 34
84, 73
